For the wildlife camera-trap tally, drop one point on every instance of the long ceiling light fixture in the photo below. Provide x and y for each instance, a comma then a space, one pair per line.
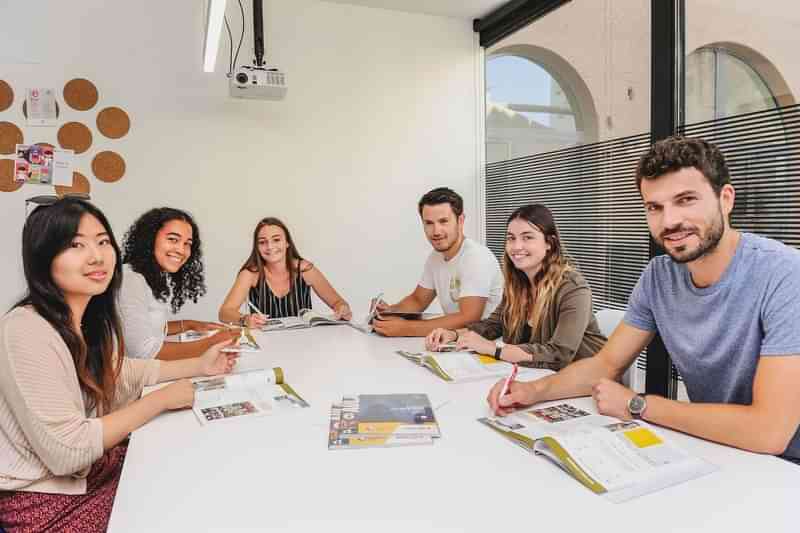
216, 15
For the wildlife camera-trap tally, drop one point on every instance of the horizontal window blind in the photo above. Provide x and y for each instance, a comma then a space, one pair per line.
762, 150
592, 194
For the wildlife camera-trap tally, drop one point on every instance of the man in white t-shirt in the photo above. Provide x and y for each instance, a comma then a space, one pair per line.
462, 273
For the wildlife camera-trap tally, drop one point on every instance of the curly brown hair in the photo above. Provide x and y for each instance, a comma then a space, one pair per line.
677, 152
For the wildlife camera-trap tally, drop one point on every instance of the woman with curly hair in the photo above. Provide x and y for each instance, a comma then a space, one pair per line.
163, 262
68, 399
545, 319
277, 280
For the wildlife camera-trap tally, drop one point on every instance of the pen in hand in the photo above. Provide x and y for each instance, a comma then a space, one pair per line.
507, 383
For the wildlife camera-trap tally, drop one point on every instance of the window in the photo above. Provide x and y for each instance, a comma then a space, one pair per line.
719, 84
527, 109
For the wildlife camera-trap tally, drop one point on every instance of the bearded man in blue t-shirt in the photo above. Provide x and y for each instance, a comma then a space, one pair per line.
726, 304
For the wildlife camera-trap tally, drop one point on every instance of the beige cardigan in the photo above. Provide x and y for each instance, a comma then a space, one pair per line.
48, 438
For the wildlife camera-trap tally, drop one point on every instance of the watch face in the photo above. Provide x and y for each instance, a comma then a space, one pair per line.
636, 405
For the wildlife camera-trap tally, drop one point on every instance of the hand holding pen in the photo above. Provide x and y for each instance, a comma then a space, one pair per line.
257, 318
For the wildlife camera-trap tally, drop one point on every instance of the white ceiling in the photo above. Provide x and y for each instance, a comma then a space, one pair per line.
462, 9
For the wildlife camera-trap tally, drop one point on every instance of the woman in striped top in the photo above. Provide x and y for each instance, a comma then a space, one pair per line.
277, 280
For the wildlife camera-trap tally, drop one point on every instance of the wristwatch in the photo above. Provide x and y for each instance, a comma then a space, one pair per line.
637, 405
499, 350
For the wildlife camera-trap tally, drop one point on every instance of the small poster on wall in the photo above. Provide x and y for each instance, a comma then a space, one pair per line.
43, 165
40, 106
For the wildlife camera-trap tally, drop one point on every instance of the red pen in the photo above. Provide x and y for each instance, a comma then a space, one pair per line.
507, 383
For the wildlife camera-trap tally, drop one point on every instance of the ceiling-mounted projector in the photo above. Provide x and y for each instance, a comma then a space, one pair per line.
258, 83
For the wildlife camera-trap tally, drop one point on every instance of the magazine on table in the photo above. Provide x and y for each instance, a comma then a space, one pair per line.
370, 420
247, 394
308, 318
246, 343
616, 459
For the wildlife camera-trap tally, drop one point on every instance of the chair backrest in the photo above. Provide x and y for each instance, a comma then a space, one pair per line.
608, 320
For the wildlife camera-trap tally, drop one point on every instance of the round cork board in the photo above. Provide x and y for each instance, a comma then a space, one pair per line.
108, 166
80, 94
79, 184
113, 122
10, 136
6, 95
25, 109
7, 183
75, 136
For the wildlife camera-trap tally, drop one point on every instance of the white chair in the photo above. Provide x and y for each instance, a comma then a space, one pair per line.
608, 320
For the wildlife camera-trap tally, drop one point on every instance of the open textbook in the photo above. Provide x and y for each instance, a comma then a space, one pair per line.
308, 318
458, 367
619, 460
253, 393
377, 420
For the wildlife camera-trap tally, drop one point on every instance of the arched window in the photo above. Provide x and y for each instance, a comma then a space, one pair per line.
529, 108
720, 84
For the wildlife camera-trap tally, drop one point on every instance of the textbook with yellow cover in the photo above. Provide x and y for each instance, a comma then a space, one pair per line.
616, 459
458, 367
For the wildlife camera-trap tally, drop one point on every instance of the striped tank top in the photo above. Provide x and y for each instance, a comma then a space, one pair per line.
298, 297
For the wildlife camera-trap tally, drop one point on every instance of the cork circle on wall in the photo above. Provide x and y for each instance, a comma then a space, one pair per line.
79, 184
80, 94
7, 181
75, 136
10, 137
6, 95
113, 122
108, 166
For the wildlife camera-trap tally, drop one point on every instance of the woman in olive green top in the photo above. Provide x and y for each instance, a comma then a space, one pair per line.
545, 319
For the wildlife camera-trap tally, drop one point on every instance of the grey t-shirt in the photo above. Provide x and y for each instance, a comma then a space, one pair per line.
716, 335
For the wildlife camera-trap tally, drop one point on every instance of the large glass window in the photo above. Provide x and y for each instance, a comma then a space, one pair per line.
719, 84
567, 117
527, 109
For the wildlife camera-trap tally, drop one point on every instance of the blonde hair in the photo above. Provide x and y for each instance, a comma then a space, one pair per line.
523, 303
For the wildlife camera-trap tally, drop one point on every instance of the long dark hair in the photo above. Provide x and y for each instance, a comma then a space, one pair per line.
48, 231
521, 306
255, 263
188, 283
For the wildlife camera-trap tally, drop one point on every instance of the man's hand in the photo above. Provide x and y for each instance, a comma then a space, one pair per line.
520, 394
392, 326
612, 398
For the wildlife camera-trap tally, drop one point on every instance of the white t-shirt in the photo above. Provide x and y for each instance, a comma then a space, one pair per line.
474, 271
144, 319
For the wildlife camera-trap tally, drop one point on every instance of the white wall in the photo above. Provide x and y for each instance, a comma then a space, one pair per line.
381, 108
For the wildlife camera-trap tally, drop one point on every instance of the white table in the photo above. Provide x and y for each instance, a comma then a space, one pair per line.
276, 472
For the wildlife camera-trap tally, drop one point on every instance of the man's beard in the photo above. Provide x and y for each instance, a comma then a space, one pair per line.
707, 245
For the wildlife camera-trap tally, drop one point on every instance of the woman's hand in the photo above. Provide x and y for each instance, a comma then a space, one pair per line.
255, 320
439, 336
469, 340
177, 395
214, 361
342, 311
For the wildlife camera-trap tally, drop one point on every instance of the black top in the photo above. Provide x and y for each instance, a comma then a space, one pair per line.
298, 298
